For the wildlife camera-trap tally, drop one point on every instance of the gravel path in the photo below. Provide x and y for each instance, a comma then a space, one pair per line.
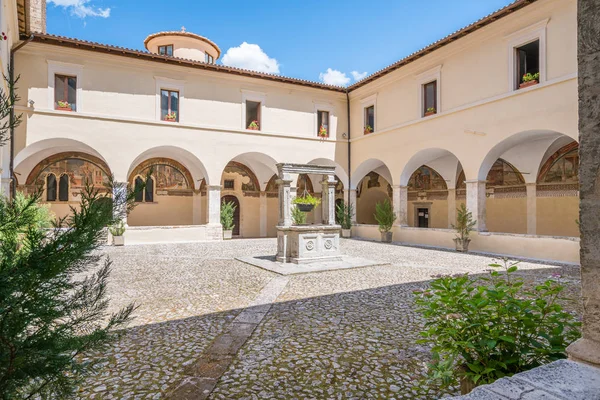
338, 334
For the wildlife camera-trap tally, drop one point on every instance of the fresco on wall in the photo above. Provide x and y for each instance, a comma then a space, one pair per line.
249, 183
565, 169
504, 174
426, 178
80, 173
168, 177
373, 180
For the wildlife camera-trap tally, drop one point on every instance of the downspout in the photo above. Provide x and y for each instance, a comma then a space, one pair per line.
11, 79
349, 149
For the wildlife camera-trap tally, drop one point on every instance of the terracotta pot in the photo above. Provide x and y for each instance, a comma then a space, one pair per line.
252, 129
305, 207
118, 240
367, 132
527, 84
386, 237
428, 113
227, 235
346, 233
64, 108
462, 245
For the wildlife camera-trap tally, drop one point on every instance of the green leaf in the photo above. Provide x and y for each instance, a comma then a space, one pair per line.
508, 339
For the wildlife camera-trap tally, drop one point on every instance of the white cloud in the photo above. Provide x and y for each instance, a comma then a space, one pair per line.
334, 77
82, 8
358, 75
252, 57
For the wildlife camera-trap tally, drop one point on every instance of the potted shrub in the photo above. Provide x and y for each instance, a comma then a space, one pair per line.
530, 80
323, 132
63, 106
117, 230
306, 203
368, 129
344, 218
253, 126
385, 217
227, 212
482, 329
430, 111
298, 217
171, 117
464, 225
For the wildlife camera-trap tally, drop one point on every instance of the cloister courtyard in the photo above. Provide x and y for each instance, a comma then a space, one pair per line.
209, 326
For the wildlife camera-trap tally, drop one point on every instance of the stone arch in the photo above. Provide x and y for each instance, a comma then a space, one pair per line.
237, 167
340, 172
570, 149
443, 161
371, 165
144, 167
262, 166
373, 188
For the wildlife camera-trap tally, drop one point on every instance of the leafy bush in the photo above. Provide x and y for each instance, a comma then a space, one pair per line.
299, 217
227, 212
117, 229
384, 215
487, 328
307, 199
53, 293
344, 212
464, 223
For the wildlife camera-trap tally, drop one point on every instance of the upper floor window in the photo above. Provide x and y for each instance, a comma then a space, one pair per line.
528, 64
208, 58
369, 119
169, 105
430, 98
323, 123
65, 93
166, 50
253, 115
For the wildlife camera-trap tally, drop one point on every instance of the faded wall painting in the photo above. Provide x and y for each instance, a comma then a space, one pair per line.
426, 178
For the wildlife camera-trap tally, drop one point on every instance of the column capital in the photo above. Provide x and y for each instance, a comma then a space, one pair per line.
399, 187
476, 181
213, 187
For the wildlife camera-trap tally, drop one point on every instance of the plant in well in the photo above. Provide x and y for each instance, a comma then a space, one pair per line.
227, 213
253, 125
344, 213
53, 285
298, 216
385, 217
483, 329
306, 202
464, 225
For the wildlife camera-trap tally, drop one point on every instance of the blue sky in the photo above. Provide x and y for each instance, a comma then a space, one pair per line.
298, 38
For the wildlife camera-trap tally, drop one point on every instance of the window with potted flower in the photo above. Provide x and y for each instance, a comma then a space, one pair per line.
253, 115
430, 98
528, 64
65, 93
323, 124
369, 120
169, 105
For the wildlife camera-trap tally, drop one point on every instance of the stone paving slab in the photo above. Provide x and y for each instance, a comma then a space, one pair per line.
270, 264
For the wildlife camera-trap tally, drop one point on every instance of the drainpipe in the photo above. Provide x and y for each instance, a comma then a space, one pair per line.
349, 150
11, 79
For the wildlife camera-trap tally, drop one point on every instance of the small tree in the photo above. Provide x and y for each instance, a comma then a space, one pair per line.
53, 292
344, 213
227, 213
464, 226
384, 215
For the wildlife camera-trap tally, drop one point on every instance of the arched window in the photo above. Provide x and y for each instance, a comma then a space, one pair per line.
51, 187
139, 191
63, 188
149, 192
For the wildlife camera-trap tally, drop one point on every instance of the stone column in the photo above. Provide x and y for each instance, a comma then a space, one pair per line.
401, 204
285, 200
352, 200
119, 195
330, 192
587, 349
451, 207
476, 203
197, 208
324, 200
263, 214
214, 230
531, 208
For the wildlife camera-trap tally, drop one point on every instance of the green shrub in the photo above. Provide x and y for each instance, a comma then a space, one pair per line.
384, 215
343, 215
227, 212
307, 199
298, 217
487, 328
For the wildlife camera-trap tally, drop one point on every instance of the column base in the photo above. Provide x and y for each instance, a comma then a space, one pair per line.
214, 232
585, 351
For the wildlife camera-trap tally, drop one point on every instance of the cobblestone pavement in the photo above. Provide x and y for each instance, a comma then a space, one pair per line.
339, 334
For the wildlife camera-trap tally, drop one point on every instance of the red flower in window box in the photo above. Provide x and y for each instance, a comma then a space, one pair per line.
323, 132
171, 117
63, 106
430, 111
368, 129
530, 80
3, 36
253, 126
